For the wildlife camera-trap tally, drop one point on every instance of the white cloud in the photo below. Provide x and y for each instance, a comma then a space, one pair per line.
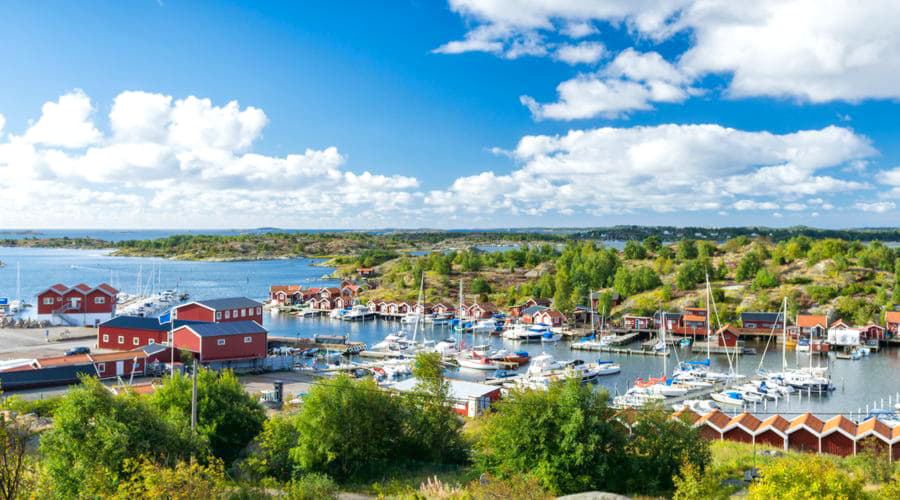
632, 81
182, 163
795, 207
890, 177
663, 168
582, 53
65, 123
879, 207
812, 50
2, 123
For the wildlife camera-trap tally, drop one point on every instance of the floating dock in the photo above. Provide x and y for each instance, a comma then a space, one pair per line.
350, 347
588, 346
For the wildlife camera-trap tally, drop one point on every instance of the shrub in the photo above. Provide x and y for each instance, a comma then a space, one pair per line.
807, 476
312, 486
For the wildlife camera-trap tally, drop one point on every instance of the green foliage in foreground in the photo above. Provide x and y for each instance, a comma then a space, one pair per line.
805, 477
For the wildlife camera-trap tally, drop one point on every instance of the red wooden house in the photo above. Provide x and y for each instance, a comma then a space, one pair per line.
481, 311
220, 310
549, 317
124, 333
529, 313
728, 336
637, 322
285, 294
223, 341
78, 305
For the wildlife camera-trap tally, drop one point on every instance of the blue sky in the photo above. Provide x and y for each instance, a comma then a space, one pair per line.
467, 113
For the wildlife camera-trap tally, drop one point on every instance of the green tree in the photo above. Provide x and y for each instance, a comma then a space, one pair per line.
95, 432
271, 458
764, 279
227, 416
687, 249
17, 469
806, 476
634, 251
689, 274
658, 448
347, 429
431, 426
480, 286
184, 481
652, 243
565, 437
748, 267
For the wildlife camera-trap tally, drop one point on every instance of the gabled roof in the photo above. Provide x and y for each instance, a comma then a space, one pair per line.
107, 288
226, 328
773, 317
809, 420
82, 287
873, 425
59, 287
811, 320
285, 288
686, 414
534, 309
839, 422
552, 313
747, 421
228, 303
151, 349
692, 317
118, 356
715, 418
776, 423
669, 315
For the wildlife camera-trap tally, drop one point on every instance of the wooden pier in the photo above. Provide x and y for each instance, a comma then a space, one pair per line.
382, 354
715, 348
350, 347
588, 346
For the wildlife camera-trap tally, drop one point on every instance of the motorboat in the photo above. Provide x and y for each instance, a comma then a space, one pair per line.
525, 333
519, 357
637, 397
393, 342
733, 398
699, 406
487, 326
358, 312
550, 337
474, 360
410, 318
447, 346
338, 313
803, 345
606, 367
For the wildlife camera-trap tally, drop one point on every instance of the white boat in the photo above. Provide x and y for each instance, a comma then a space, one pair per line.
447, 346
338, 313
358, 312
474, 360
393, 341
551, 337
607, 368
524, 333
410, 318
733, 398
637, 397
486, 326
699, 406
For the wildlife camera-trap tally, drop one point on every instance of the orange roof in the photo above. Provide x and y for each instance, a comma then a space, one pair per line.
118, 356
776, 422
874, 425
107, 288
696, 309
746, 420
64, 360
892, 316
691, 317
718, 419
285, 288
840, 422
811, 320
809, 420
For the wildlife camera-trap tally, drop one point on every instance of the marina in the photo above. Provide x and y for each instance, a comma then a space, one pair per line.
857, 382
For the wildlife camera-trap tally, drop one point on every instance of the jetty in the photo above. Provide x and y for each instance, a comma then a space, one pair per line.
348, 347
715, 348
594, 347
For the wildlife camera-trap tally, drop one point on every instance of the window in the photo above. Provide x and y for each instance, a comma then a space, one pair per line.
135, 341
99, 300
106, 338
121, 339
218, 315
259, 310
234, 313
48, 301
101, 367
248, 340
220, 342
151, 341
243, 313
227, 314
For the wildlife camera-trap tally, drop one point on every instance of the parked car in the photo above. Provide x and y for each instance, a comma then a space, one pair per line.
78, 350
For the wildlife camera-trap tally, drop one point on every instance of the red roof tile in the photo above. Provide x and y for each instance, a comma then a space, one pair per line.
811, 320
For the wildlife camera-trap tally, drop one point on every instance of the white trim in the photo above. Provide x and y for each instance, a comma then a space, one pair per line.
220, 342
135, 341
101, 367
121, 339
106, 337
248, 340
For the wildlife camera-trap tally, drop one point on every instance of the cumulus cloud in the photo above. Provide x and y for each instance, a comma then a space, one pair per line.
632, 81
582, 53
663, 168
180, 162
813, 51
879, 207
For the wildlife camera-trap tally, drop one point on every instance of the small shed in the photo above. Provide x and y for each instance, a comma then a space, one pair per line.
469, 398
728, 336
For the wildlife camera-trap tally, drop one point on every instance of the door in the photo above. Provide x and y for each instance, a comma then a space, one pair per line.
75, 303
120, 368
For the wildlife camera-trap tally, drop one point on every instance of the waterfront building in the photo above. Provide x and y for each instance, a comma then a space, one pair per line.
815, 325
220, 310
286, 295
762, 320
132, 332
80, 305
549, 317
469, 398
229, 341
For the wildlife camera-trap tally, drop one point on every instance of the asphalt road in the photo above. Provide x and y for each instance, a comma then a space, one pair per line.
35, 342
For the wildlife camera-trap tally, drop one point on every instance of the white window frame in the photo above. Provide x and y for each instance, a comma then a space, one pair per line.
121, 339
218, 315
248, 340
259, 310
220, 342
100, 300
234, 313
101, 367
48, 301
243, 313
228, 314
151, 341
135, 341
106, 337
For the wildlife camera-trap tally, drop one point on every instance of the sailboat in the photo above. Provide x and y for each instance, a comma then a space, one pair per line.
16, 305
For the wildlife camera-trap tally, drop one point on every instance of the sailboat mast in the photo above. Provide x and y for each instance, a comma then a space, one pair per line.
784, 337
665, 349
708, 318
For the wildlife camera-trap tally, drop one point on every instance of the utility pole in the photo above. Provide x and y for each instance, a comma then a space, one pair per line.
194, 399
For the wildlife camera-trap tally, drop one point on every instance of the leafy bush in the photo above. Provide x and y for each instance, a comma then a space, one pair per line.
312, 486
184, 481
764, 279
807, 476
